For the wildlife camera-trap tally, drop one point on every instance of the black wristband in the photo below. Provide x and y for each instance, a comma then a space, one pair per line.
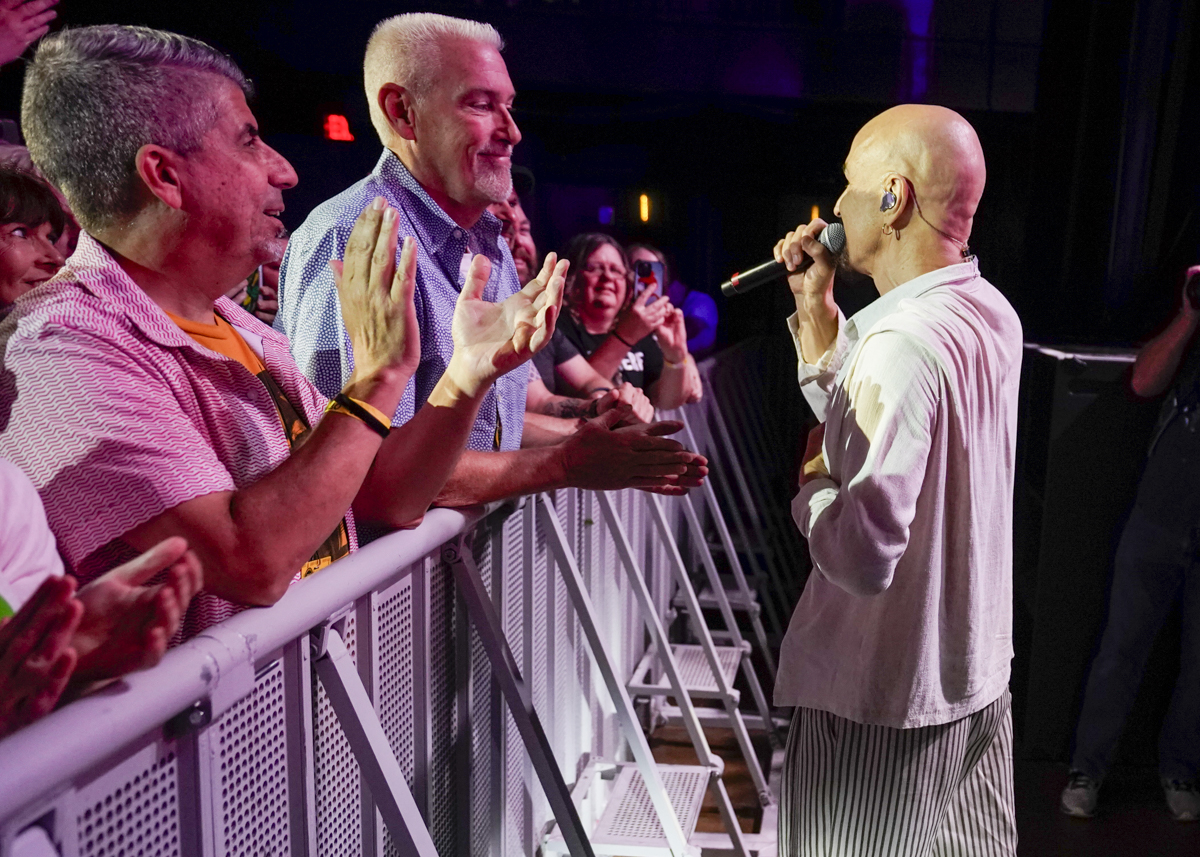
621, 339
363, 414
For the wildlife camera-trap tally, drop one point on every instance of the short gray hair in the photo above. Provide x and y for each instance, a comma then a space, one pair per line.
95, 95
405, 49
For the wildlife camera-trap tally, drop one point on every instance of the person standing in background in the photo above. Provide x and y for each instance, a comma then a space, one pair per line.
1157, 563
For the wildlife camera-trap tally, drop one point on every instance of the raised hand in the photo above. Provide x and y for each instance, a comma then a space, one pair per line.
642, 317
492, 339
126, 622
36, 658
21, 24
376, 295
602, 457
672, 335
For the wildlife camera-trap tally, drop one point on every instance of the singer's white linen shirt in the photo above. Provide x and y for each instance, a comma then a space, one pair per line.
906, 619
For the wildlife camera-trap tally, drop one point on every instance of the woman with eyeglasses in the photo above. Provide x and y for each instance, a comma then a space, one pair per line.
640, 339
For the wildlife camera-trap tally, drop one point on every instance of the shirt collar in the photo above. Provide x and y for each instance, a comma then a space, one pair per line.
436, 229
866, 318
93, 267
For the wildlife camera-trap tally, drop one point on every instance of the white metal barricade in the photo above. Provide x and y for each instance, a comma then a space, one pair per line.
363, 714
361, 704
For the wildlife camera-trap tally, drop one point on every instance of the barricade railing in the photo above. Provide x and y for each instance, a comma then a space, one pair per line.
231, 745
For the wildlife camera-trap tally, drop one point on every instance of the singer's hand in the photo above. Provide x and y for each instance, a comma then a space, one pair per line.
800, 244
814, 466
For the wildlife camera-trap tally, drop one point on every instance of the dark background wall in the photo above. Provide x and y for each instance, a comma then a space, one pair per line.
735, 117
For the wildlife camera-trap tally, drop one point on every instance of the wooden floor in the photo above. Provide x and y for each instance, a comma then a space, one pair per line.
671, 746
1132, 820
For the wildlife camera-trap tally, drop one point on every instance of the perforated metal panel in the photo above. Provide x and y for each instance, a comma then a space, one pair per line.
630, 817
338, 789
394, 682
251, 744
694, 669
482, 786
394, 659
133, 808
444, 810
540, 584
517, 836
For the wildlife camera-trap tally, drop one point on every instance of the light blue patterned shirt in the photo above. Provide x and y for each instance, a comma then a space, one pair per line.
311, 315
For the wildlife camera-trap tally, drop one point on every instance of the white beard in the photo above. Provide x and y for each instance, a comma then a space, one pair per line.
494, 182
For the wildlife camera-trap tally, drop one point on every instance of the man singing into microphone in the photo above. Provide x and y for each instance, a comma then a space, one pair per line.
897, 656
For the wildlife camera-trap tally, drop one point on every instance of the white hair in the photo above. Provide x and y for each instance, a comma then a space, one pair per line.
405, 49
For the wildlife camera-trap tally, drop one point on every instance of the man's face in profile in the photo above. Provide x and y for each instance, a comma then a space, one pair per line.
234, 185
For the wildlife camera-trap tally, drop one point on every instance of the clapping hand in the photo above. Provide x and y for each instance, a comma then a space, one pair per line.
36, 658
491, 339
627, 394
376, 294
127, 623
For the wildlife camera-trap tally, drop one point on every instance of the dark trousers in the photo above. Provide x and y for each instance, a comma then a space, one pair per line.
1156, 563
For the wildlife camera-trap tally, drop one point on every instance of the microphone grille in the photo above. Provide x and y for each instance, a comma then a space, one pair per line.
833, 237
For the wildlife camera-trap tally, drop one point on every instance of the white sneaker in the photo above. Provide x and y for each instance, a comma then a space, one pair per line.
1080, 796
1183, 799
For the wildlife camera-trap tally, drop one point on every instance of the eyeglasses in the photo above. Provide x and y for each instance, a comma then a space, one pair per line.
617, 272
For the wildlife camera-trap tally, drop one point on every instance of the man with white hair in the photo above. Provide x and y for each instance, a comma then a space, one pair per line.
441, 100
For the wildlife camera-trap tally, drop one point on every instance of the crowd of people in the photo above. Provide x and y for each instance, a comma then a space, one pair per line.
155, 414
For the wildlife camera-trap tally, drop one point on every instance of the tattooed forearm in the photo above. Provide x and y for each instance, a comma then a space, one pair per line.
570, 409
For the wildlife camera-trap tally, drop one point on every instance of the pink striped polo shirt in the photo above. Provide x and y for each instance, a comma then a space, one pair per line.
118, 415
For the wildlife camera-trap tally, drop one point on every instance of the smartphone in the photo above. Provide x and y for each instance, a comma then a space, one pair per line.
647, 274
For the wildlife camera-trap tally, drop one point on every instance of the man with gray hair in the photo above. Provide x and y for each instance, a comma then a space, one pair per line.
441, 100
145, 404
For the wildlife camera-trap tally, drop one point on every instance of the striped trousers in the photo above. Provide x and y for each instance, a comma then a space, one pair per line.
852, 790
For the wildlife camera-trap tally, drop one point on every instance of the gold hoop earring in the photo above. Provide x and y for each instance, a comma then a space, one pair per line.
887, 230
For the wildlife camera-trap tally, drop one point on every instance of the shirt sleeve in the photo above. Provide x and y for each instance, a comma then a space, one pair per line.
817, 379
310, 313
857, 521
561, 347
105, 439
28, 553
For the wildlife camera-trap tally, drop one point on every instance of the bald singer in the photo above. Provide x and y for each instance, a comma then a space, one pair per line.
897, 656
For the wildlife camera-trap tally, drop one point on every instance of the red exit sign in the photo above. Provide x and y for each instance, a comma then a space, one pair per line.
337, 128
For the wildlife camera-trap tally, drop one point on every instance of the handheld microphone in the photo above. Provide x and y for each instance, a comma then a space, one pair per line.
833, 237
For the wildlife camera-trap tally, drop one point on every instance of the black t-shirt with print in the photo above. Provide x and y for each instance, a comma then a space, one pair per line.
556, 352
642, 364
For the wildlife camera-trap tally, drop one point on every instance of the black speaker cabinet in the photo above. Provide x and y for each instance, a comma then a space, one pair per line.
1081, 445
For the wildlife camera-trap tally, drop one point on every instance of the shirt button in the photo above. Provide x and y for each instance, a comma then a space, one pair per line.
458, 233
